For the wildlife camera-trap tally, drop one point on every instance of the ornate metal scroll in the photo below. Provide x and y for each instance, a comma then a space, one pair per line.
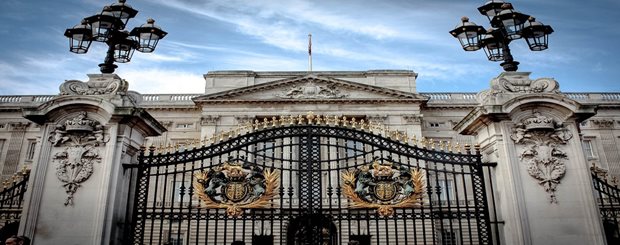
542, 138
80, 136
384, 186
236, 186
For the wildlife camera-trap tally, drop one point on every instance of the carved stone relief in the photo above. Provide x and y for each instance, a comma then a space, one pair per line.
209, 120
600, 172
19, 126
241, 120
528, 86
167, 124
542, 138
311, 90
103, 84
377, 119
413, 119
518, 83
80, 138
603, 123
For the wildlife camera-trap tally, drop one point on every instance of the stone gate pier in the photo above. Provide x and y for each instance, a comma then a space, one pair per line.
544, 190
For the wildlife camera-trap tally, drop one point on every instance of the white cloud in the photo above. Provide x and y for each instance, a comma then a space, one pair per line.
13, 82
158, 57
148, 81
285, 24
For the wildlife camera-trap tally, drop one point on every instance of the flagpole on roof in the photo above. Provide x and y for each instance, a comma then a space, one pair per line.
309, 52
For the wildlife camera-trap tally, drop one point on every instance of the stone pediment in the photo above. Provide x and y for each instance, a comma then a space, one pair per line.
310, 88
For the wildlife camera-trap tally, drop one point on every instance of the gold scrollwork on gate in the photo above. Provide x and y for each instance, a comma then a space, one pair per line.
236, 186
384, 186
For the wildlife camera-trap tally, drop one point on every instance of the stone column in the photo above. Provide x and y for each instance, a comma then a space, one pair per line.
544, 190
78, 188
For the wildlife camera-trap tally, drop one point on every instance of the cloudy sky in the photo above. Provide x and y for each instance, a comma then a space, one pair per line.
272, 35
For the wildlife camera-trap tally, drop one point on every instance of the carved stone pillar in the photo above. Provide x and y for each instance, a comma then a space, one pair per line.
543, 186
78, 188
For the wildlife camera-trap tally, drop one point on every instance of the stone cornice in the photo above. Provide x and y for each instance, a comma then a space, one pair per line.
428, 106
288, 74
490, 112
19, 126
172, 108
603, 123
314, 101
231, 94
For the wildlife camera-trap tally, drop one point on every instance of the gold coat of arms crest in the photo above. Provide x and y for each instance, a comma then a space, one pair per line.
384, 186
236, 185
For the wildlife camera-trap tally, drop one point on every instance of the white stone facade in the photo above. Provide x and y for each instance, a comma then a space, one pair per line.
388, 97
186, 121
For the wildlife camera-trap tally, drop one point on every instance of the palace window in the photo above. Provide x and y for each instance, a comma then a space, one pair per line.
177, 195
354, 148
185, 125
588, 148
30, 150
450, 237
362, 239
175, 239
434, 125
266, 148
446, 189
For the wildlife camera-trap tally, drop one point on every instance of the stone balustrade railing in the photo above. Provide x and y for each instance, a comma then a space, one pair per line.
20, 99
467, 98
173, 99
434, 98
441, 98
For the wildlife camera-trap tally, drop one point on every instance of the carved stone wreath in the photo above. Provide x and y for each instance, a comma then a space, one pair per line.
236, 186
80, 138
542, 139
383, 186
311, 90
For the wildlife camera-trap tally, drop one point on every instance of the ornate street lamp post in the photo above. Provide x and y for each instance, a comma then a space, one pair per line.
506, 25
109, 27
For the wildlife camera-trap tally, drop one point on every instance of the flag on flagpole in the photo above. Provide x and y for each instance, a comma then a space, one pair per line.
309, 44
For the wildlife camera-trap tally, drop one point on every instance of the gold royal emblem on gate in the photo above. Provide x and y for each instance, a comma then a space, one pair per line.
383, 186
236, 186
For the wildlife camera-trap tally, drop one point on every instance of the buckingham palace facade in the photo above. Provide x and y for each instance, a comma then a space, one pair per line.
325, 157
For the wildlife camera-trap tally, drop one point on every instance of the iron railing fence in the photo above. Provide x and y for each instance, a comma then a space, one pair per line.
607, 195
12, 198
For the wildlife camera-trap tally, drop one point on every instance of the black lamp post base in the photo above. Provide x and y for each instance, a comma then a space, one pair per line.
510, 65
107, 68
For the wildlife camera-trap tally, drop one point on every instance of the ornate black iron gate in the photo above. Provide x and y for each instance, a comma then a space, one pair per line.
12, 203
311, 180
608, 197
